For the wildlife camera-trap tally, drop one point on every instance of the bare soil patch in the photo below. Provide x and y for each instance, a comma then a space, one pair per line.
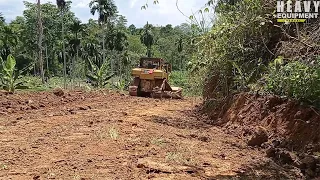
107, 135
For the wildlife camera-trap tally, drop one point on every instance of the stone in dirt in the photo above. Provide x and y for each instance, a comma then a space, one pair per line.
259, 137
285, 156
58, 92
309, 162
288, 157
204, 139
83, 108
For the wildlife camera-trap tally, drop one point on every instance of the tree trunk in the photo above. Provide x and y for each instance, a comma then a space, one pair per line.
103, 46
72, 72
75, 59
40, 42
181, 63
77, 56
64, 52
35, 63
47, 59
104, 27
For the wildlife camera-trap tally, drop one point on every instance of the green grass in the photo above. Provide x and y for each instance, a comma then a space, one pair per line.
158, 141
3, 166
177, 79
113, 133
182, 79
35, 84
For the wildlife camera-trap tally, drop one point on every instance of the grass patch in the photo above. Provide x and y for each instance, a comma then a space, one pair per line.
113, 133
182, 79
3, 166
76, 177
158, 141
34, 83
175, 157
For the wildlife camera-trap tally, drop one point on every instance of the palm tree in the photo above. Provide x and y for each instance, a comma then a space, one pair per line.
118, 42
75, 28
40, 42
9, 39
132, 28
147, 38
106, 10
61, 5
92, 52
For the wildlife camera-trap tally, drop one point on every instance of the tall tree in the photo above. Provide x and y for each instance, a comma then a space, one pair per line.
106, 10
147, 39
179, 44
61, 5
40, 31
75, 28
2, 19
8, 39
121, 23
132, 29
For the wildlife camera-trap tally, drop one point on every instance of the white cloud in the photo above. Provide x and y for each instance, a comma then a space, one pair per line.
166, 12
163, 13
82, 4
132, 3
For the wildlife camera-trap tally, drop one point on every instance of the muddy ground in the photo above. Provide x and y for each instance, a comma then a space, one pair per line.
106, 135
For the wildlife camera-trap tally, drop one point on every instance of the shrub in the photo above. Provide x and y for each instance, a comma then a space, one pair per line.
237, 47
295, 80
184, 80
99, 76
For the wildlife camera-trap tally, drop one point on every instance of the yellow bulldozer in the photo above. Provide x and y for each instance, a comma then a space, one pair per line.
150, 79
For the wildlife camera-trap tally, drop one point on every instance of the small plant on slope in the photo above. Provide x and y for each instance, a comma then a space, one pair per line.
295, 80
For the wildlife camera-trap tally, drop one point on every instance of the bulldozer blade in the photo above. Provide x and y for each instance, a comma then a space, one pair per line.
133, 90
167, 94
172, 95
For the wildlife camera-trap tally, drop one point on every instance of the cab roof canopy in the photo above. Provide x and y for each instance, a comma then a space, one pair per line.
149, 58
162, 61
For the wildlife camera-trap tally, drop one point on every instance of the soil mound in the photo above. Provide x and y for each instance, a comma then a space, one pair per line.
28, 101
58, 92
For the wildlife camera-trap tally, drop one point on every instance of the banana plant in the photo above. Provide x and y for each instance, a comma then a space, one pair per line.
9, 76
99, 76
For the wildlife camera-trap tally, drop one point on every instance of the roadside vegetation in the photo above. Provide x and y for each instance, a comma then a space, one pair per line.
64, 52
247, 50
225, 48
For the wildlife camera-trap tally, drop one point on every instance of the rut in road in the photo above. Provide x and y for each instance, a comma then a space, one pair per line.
104, 135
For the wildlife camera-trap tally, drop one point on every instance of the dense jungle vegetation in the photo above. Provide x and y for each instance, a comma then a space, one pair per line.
227, 47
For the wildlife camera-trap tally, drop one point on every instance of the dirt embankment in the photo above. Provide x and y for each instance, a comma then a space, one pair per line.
289, 132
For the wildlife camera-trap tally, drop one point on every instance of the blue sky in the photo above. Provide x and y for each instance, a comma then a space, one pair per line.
161, 14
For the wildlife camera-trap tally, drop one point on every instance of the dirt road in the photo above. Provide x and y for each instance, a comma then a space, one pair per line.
113, 136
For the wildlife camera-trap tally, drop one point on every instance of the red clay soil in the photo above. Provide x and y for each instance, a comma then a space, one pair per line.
105, 135
287, 130
283, 119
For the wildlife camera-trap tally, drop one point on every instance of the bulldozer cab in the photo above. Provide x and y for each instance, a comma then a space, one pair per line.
155, 63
